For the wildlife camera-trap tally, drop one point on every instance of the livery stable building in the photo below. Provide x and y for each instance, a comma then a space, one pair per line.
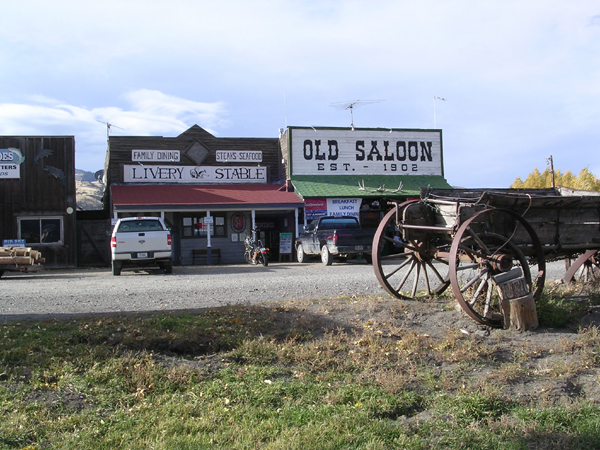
213, 191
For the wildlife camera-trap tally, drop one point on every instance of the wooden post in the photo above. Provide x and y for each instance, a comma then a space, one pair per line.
518, 304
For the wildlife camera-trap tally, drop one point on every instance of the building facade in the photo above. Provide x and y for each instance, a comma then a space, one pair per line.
37, 187
358, 171
211, 191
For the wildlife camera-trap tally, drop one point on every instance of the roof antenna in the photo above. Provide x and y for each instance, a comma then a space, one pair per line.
352, 105
108, 125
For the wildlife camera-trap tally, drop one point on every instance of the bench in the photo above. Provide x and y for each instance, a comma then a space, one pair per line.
202, 253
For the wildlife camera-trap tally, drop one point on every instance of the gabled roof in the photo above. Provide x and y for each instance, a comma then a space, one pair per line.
193, 196
319, 186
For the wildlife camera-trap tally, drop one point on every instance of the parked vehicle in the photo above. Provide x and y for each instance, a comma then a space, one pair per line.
141, 242
332, 237
255, 252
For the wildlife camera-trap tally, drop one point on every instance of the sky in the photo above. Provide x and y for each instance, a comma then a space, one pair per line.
509, 83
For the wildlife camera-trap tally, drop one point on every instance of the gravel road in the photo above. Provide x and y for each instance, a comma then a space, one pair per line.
56, 293
85, 291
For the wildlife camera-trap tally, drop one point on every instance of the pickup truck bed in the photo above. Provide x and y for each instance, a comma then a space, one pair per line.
142, 242
334, 237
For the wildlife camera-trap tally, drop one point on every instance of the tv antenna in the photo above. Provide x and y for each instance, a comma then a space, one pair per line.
352, 105
108, 126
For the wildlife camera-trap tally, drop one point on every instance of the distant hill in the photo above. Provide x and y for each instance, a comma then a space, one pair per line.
89, 190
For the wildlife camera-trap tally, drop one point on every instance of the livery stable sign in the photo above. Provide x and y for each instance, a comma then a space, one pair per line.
318, 151
194, 174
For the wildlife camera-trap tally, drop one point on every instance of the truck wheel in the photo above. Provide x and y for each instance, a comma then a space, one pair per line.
168, 267
116, 268
326, 257
302, 258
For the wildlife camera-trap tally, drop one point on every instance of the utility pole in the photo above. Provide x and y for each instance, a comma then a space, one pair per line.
551, 162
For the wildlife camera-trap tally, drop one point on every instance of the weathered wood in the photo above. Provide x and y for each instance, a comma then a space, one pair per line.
17, 260
522, 313
518, 305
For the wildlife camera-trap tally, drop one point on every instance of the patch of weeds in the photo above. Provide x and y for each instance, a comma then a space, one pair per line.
557, 310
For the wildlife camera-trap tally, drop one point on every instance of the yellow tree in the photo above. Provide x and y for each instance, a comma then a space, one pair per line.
585, 180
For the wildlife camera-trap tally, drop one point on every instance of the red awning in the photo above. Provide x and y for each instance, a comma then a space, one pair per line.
187, 196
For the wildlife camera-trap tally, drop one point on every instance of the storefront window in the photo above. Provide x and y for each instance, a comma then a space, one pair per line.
195, 226
40, 230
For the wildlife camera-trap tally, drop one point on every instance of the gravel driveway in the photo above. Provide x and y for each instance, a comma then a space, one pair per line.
58, 293
83, 291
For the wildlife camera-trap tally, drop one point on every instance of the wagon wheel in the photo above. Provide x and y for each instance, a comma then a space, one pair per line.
585, 269
419, 268
478, 254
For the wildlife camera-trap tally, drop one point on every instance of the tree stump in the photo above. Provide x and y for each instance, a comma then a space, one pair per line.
518, 304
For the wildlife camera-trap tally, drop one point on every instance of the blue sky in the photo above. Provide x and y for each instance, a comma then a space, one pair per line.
520, 79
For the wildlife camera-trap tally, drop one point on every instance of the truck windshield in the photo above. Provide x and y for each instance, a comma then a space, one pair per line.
134, 226
339, 223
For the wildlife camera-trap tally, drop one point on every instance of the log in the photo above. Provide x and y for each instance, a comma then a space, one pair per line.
518, 304
522, 313
16, 260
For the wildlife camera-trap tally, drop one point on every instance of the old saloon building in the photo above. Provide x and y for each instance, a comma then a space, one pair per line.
356, 171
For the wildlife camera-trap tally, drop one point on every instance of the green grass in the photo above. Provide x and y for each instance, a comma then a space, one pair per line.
275, 378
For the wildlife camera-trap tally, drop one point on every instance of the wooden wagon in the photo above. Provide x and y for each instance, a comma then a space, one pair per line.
477, 240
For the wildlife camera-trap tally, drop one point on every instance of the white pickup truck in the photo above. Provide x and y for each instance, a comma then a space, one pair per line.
141, 241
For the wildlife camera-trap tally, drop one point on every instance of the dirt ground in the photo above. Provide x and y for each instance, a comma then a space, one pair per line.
546, 366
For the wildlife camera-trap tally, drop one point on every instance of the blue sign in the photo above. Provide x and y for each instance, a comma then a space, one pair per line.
11, 155
13, 243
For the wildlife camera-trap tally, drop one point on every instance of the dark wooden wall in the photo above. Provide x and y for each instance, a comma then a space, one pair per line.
46, 187
120, 148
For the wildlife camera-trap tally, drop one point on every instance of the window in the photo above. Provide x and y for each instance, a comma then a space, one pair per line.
194, 226
41, 230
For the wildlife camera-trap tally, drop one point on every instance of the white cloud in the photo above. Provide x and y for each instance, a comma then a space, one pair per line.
151, 113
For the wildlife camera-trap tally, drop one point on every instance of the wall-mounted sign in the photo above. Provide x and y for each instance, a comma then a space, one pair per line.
343, 207
156, 155
194, 174
238, 156
366, 152
10, 171
238, 224
13, 243
315, 207
10, 163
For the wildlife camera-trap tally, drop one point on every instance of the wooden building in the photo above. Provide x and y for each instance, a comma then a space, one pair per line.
211, 191
37, 188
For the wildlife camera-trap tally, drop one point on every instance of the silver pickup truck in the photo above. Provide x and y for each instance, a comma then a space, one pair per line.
141, 242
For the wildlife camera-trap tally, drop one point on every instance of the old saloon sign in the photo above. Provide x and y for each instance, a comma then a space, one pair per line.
366, 152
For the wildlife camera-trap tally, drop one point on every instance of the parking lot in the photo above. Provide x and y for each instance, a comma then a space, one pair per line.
60, 293
92, 291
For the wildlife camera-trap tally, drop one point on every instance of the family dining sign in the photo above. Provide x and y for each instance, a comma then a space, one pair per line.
318, 151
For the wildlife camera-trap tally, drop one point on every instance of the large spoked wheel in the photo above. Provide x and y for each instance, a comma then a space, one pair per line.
585, 269
478, 254
417, 268
248, 257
